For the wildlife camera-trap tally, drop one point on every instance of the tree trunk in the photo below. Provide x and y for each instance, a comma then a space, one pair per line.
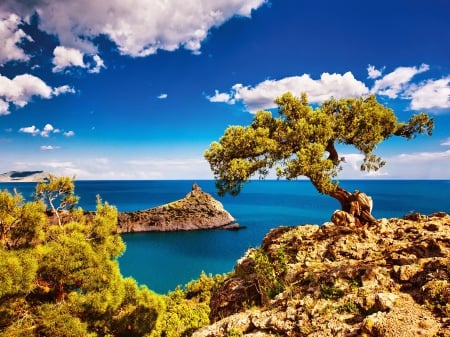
357, 204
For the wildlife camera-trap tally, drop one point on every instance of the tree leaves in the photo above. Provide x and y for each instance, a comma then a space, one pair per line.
301, 141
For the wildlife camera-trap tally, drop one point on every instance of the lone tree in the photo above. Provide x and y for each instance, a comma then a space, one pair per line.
302, 141
58, 193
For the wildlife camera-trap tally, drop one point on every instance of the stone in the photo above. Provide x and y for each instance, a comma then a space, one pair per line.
198, 210
373, 281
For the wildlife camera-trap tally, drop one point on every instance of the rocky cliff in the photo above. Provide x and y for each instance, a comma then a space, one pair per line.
197, 210
339, 279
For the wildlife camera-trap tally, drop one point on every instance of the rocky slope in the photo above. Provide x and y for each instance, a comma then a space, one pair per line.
197, 210
338, 279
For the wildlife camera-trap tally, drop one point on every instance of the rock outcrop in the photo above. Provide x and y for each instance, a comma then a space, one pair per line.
196, 211
340, 279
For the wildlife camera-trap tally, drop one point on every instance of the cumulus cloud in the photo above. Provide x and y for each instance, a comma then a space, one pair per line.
431, 94
20, 90
64, 58
162, 96
48, 129
394, 83
67, 57
30, 129
137, 27
11, 36
262, 95
373, 72
221, 97
69, 133
45, 132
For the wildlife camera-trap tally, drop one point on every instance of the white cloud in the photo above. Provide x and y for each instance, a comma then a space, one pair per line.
11, 36
422, 156
20, 90
446, 142
30, 129
392, 84
162, 96
67, 57
415, 165
64, 89
221, 97
420, 165
48, 129
4, 107
49, 147
45, 132
99, 64
138, 27
431, 94
69, 133
262, 95
373, 72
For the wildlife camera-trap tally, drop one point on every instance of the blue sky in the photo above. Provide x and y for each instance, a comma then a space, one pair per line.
121, 89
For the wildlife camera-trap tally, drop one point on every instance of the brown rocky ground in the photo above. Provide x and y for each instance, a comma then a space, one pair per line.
391, 279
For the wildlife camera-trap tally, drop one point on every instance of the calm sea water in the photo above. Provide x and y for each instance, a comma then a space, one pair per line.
164, 260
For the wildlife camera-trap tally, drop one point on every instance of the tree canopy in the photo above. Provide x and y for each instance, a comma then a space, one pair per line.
302, 141
61, 277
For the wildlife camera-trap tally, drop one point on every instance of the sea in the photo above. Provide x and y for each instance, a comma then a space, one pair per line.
163, 261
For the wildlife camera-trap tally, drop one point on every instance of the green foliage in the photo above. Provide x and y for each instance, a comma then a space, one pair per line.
269, 280
182, 315
187, 310
302, 141
64, 279
58, 193
233, 332
349, 307
20, 223
329, 290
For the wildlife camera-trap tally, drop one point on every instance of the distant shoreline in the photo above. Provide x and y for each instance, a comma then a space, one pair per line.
23, 176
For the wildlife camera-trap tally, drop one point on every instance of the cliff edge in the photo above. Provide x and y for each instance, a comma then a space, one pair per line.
196, 211
387, 280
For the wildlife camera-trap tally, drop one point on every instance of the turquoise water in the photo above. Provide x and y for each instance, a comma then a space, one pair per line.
164, 260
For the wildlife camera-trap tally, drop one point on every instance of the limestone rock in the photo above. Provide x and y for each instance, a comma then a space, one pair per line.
339, 279
197, 210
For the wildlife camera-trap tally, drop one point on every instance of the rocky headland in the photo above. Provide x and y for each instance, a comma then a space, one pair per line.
23, 176
340, 279
198, 210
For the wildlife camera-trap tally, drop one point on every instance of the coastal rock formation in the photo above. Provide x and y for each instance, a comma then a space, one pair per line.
340, 279
197, 210
23, 176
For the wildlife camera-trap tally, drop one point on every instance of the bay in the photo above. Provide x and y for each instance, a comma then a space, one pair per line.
164, 260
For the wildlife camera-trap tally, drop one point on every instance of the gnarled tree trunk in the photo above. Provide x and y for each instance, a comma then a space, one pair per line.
357, 204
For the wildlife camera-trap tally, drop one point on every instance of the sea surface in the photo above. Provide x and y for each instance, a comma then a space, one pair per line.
164, 260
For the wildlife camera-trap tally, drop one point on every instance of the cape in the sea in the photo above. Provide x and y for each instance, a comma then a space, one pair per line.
196, 211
